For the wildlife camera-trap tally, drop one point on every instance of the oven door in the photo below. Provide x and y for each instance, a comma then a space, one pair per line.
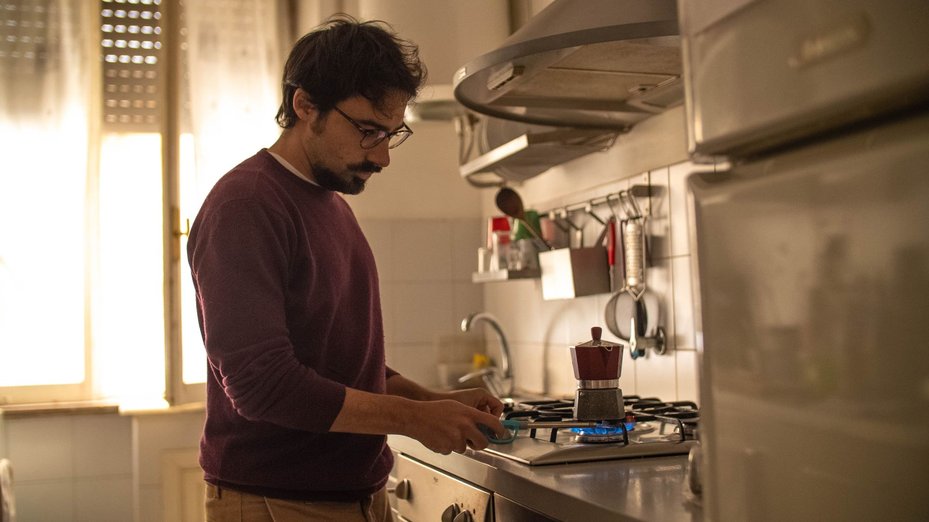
424, 493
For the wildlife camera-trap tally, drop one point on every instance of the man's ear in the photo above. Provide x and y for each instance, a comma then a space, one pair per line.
303, 105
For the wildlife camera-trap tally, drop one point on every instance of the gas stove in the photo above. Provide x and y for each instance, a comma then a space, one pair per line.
549, 434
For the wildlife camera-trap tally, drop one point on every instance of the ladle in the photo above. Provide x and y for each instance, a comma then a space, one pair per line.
509, 202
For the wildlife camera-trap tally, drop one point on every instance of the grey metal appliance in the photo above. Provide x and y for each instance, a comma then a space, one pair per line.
811, 257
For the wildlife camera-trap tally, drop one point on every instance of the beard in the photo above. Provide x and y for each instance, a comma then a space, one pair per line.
345, 182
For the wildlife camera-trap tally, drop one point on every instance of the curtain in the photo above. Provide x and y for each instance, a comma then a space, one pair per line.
48, 73
234, 63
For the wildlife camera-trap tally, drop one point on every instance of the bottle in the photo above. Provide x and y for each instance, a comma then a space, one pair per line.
498, 242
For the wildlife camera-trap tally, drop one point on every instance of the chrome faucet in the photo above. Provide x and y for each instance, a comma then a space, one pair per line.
498, 380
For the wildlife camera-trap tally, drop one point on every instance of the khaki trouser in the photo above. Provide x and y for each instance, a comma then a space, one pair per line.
226, 505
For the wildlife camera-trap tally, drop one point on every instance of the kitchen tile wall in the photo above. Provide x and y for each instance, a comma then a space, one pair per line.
93, 467
425, 265
653, 153
71, 467
540, 332
425, 272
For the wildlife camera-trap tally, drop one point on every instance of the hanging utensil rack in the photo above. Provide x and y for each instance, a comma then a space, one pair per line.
636, 191
623, 207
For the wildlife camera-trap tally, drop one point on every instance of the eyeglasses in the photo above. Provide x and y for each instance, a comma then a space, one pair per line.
371, 138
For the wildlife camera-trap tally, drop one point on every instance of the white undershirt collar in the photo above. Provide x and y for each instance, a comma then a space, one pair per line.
291, 168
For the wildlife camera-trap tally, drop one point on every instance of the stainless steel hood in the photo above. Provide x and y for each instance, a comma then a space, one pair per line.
604, 64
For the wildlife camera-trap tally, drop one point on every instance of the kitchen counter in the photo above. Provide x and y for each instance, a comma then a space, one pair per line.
626, 489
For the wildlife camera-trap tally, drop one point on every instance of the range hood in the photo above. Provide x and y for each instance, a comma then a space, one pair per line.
602, 64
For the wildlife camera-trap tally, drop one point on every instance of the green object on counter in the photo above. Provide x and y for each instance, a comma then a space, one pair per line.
532, 219
512, 427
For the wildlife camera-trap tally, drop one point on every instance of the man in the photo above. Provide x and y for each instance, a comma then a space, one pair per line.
299, 398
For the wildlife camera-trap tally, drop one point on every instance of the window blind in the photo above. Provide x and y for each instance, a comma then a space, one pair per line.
131, 46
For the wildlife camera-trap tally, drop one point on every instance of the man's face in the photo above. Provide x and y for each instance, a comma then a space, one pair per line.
333, 146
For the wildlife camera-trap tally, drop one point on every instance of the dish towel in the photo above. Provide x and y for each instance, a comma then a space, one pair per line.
7, 502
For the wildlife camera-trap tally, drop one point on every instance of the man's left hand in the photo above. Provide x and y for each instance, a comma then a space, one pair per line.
477, 398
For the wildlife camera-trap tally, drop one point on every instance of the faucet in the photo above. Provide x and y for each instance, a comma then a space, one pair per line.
498, 380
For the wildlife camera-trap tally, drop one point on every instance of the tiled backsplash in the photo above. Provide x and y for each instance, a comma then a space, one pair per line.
425, 270
540, 332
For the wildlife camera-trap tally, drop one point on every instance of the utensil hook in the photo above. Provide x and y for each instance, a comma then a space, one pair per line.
612, 208
554, 216
565, 215
578, 231
630, 206
589, 208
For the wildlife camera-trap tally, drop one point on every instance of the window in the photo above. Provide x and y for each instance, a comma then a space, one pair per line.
44, 214
113, 114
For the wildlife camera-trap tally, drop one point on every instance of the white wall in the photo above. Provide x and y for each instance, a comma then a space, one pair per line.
540, 331
70, 467
422, 219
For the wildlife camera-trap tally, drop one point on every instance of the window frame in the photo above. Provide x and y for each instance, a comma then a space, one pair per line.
170, 99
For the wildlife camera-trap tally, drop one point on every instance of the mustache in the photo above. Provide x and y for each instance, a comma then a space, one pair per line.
365, 166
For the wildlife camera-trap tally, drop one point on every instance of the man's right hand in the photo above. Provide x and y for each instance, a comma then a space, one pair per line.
445, 426
442, 425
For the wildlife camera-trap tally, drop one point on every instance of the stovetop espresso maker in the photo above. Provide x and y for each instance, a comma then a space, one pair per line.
597, 367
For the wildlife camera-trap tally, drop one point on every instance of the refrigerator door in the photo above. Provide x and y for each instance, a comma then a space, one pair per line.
813, 302
758, 74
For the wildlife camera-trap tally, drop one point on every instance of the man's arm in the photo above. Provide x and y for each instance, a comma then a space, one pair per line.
442, 425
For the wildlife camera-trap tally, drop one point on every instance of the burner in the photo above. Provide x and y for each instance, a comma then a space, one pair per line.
603, 433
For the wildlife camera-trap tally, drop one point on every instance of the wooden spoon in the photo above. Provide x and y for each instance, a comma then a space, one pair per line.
509, 202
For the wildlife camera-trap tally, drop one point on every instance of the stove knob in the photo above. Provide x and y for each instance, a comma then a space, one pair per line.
464, 516
403, 489
451, 513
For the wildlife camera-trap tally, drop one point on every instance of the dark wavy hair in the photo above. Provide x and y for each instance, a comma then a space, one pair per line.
343, 58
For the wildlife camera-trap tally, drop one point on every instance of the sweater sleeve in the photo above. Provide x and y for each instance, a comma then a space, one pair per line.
239, 257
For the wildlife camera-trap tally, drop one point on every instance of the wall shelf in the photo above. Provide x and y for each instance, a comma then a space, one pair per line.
494, 276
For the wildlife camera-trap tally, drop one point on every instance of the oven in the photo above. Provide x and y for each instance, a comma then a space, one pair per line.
422, 492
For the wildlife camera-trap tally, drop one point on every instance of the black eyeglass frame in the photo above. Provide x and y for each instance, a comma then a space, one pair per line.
378, 135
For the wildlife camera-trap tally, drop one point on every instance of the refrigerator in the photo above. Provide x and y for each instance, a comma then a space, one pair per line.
810, 257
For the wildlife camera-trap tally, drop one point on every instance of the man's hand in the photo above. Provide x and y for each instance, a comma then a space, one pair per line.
477, 398
442, 421
445, 426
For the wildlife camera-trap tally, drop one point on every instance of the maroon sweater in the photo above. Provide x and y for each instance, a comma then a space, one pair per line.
289, 309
